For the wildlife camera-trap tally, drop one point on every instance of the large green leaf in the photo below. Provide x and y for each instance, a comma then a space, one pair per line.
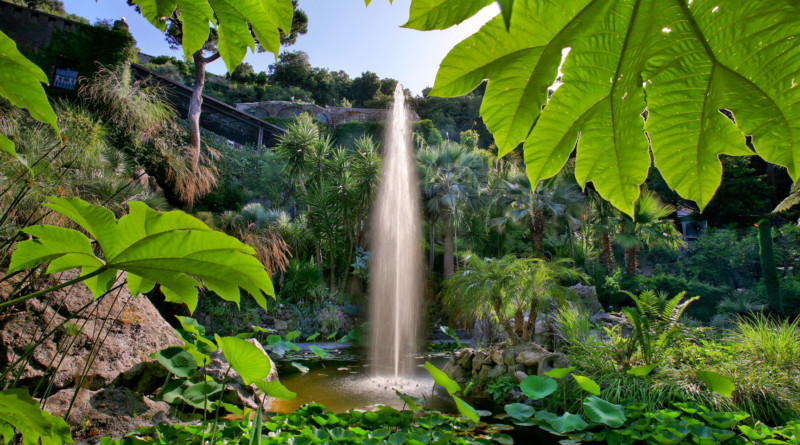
587, 384
537, 387
245, 358
19, 410
237, 22
276, 389
717, 382
601, 411
466, 409
21, 83
682, 64
174, 249
442, 379
442, 14
177, 361
520, 411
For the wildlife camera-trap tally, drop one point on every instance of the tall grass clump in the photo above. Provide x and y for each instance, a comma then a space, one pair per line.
770, 341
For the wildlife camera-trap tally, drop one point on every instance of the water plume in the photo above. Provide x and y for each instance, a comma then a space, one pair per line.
396, 254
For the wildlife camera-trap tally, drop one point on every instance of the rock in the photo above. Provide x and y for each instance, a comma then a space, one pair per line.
144, 378
497, 356
529, 358
483, 374
588, 296
508, 358
551, 361
520, 375
477, 360
497, 371
107, 412
485, 332
219, 370
281, 325
466, 358
130, 329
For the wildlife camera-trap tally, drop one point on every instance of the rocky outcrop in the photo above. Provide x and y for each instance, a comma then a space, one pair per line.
107, 412
118, 332
515, 361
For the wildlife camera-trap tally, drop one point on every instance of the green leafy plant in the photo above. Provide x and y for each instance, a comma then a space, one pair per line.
172, 249
18, 411
678, 64
499, 387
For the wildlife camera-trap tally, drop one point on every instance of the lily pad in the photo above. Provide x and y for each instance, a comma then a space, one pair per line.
537, 387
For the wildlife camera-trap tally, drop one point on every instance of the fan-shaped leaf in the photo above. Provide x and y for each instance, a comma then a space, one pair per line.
245, 358
601, 411
441, 14
537, 387
520, 411
177, 361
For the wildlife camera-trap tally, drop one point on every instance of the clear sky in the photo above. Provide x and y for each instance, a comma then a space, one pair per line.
342, 35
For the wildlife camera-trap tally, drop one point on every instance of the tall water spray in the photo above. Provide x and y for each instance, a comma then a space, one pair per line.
395, 261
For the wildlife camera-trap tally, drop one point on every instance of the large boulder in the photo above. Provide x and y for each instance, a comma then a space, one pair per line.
588, 296
238, 392
121, 330
107, 412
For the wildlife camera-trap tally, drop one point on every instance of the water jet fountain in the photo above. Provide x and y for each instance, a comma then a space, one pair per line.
396, 255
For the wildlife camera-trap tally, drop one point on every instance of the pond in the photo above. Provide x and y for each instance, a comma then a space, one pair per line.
346, 384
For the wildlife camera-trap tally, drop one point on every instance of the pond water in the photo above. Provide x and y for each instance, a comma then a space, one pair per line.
342, 385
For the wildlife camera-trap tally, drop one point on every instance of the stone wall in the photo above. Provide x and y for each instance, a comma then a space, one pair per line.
332, 116
518, 361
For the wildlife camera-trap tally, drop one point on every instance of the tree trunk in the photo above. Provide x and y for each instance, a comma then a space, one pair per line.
519, 322
512, 335
606, 252
533, 312
195, 105
537, 234
631, 259
432, 249
449, 247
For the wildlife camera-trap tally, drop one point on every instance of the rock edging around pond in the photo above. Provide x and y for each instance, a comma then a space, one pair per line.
517, 361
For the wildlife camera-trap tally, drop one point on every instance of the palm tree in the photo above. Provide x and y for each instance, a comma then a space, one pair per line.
449, 176
506, 288
602, 215
551, 199
648, 228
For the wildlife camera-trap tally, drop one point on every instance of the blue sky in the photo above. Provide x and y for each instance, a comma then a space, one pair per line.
342, 35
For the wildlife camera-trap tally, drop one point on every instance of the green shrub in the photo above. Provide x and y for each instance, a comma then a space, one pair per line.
703, 309
302, 281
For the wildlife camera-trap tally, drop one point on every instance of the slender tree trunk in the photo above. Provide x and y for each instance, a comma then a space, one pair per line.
533, 313
449, 246
195, 108
519, 322
504, 323
432, 250
631, 259
536, 227
606, 252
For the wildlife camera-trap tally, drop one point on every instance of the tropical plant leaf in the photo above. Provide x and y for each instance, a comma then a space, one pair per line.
587, 384
704, 74
559, 373
601, 411
245, 358
300, 367
717, 382
442, 14
567, 423
237, 22
466, 409
520, 411
199, 394
319, 352
275, 389
173, 249
442, 379
20, 411
414, 403
537, 387
21, 83
291, 336
642, 371
177, 361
